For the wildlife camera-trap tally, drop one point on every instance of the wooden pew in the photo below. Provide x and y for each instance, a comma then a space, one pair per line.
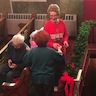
20, 88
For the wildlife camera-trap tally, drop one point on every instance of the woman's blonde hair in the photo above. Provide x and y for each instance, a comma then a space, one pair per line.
18, 39
53, 7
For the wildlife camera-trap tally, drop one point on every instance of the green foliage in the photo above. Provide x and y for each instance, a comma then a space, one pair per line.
79, 48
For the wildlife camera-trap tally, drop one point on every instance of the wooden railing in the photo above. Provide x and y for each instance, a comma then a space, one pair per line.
26, 31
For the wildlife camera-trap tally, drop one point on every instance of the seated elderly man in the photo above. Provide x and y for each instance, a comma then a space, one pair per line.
14, 55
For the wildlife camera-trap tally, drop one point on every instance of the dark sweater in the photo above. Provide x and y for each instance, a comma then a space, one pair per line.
42, 61
16, 55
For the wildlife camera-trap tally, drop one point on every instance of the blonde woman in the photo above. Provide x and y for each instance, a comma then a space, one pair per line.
58, 33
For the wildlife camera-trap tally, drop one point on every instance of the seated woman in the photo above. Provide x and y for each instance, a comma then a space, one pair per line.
14, 55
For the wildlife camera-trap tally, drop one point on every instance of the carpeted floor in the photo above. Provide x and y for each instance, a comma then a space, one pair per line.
69, 50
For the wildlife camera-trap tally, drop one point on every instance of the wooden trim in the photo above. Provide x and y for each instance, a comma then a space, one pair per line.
78, 76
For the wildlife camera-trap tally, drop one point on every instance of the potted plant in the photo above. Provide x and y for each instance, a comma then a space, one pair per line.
76, 58
79, 48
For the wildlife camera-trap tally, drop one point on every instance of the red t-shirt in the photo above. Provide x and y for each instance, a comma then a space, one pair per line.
58, 32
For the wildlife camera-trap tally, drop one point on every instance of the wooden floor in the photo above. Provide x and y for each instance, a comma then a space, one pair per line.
90, 81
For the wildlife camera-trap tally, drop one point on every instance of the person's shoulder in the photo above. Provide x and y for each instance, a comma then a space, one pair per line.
10, 46
51, 49
61, 20
47, 23
25, 44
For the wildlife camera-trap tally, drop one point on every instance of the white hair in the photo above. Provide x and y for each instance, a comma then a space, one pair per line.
34, 32
18, 39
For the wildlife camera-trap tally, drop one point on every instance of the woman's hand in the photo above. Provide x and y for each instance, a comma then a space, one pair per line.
56, 45
59, 49
27, 48
66, 44
9, 62
13, 66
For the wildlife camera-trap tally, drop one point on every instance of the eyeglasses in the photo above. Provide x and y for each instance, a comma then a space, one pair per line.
53, 16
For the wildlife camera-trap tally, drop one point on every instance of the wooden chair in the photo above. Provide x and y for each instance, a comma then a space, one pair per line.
20, 88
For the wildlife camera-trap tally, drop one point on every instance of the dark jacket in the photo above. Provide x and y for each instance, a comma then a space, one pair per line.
43, 61
16, 55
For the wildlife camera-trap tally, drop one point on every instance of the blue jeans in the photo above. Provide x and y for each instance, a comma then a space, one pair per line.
7, 74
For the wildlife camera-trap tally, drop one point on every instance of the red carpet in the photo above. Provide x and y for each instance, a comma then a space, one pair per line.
68, 52
70, 49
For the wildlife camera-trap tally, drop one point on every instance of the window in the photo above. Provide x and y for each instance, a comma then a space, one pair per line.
28, 0
25, 1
